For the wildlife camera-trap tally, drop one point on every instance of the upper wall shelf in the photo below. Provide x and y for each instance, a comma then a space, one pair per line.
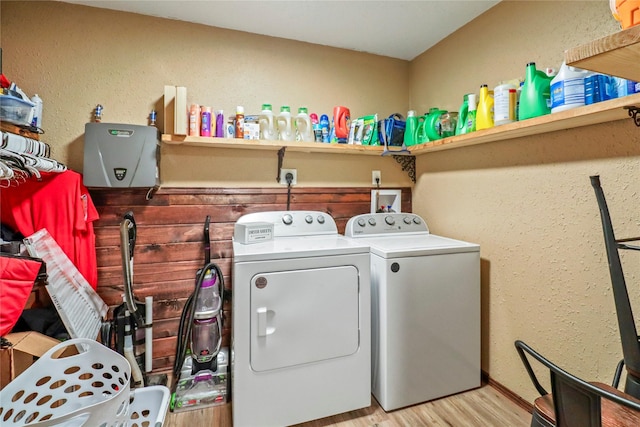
582, 116
305, 147
617, 54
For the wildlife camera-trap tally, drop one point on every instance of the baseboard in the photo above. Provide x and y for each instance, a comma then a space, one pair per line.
507, 393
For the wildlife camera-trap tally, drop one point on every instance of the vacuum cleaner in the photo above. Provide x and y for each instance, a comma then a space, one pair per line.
201, 365
129, 333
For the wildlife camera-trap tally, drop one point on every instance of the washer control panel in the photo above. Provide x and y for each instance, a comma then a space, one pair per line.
294, 223
385, 223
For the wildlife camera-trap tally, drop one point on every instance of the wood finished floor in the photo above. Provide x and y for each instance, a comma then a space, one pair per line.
482, 407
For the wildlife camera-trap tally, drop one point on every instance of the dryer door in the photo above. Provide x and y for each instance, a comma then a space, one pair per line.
303, 316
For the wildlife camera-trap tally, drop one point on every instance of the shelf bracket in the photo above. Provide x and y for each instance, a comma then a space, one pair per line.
633, 112
408, 164
280, 160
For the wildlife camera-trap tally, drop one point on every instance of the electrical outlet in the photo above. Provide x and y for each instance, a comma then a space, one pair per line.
376, 178
283, 176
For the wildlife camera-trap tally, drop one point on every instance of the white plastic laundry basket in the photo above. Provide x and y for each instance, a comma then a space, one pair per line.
148, 406
90, 388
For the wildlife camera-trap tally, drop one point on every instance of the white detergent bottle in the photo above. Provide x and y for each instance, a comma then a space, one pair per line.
267, 124
284, 124
303, 126
567, 88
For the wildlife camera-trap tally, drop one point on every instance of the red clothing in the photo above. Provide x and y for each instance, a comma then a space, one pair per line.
61, 204
16, 281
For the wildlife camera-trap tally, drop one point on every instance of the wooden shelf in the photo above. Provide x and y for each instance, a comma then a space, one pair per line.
617, 54
305, 147
601, 112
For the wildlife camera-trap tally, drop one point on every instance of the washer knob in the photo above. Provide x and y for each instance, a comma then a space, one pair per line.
372, 221
407, 220
389, 220
362, 222
320, 219
416, 220
287, 219
308, 219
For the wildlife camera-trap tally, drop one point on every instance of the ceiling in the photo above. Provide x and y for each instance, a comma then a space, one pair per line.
394, 28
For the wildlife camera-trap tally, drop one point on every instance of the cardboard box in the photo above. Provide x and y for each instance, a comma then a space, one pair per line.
26, 348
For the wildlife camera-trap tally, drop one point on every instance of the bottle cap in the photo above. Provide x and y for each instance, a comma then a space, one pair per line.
266, 107
313, 117
239, 109
302, 110
324, 117
285, 108
411, 113
481, 86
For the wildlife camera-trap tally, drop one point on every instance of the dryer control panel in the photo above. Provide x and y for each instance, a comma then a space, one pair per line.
385, 223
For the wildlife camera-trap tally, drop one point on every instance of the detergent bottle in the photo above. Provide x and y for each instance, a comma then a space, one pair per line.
535, 97
325, 128
461, 126
303, 126
484, 114
411, 129
431, 124
267, 126
471, 115
421, 131
504, 103
341, 124
284, 124
447, 124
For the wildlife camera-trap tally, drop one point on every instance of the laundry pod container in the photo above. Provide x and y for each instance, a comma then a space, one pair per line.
626, 11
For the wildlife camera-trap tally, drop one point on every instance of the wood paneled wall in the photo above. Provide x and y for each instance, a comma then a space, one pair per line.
170, 233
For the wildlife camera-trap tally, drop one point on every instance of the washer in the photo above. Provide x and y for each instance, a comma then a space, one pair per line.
301, 338
425, 303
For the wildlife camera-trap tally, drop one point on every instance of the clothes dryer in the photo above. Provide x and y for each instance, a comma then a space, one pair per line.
425, 303
301, 336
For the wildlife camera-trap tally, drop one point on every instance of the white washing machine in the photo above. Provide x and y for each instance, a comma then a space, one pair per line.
425, 304
301, 336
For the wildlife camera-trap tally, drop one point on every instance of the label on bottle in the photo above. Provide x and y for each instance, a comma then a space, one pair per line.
567, 92
205, 128
239, 130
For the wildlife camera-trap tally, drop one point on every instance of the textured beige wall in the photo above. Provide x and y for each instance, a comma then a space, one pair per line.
528, 202
77, 57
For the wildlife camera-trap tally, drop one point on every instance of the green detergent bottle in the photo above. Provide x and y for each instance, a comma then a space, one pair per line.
461, 126
535, 98
431, 123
